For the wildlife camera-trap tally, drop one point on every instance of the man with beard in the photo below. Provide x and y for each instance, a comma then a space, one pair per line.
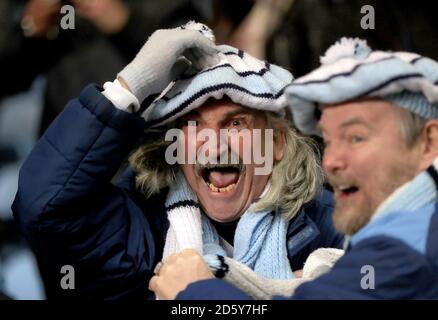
114, 235
378, 119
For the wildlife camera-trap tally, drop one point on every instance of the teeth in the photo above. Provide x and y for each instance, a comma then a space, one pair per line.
342, 188
201, 168
222, 190
219, 165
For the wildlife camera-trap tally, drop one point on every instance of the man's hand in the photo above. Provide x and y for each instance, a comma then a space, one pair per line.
178, 271
167, 54
39, 16
109, 16
254, 32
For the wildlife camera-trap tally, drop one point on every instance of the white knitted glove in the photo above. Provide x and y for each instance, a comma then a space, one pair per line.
167, 54
241, 276
321, 261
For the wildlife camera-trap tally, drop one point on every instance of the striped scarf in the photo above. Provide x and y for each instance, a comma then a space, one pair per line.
259, 242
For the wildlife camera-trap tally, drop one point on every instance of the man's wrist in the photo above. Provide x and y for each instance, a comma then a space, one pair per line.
121, 97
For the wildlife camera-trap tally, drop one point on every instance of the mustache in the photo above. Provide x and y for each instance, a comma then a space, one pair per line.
228, 159
336, 180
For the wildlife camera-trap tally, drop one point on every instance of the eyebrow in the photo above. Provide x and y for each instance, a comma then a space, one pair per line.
240, 110
348, 123
191, 114
354, 121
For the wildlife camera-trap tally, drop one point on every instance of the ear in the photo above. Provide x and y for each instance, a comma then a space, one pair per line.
279, 144
430, 140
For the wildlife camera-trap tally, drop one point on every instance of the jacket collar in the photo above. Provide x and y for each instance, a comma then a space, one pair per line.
301, 231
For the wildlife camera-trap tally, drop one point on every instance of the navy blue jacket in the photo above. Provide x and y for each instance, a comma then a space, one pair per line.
392, 257
72, 214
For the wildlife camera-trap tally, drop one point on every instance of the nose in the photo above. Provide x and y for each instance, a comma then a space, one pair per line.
213, 143
334, 160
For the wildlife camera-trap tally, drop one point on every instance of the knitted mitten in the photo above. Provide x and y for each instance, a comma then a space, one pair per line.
260, 288
167, 54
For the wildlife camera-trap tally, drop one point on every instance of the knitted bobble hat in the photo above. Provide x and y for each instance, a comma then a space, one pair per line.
246, 80
351, 70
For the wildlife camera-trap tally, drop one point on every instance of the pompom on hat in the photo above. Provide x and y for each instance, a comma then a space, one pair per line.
244, 79
351, 70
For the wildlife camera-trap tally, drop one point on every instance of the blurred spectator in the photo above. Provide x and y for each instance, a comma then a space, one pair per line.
19, 117
18, 269
259, 25
107, 33
311, 26
295, 33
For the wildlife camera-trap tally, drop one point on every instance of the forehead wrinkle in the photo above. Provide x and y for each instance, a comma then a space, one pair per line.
237, 110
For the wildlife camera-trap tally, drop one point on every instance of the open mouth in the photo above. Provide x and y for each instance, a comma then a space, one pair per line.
220, 178
347, 190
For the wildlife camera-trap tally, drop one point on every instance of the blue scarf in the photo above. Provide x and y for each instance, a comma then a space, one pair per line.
259, 241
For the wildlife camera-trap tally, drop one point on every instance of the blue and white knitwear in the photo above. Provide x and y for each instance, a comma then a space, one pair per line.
246, 80
350, 70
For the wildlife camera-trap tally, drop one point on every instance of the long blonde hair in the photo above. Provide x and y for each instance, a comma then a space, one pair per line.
295, 179
298, 176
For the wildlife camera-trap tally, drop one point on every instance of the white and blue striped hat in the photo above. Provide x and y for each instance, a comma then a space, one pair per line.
239, 76
350, 70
